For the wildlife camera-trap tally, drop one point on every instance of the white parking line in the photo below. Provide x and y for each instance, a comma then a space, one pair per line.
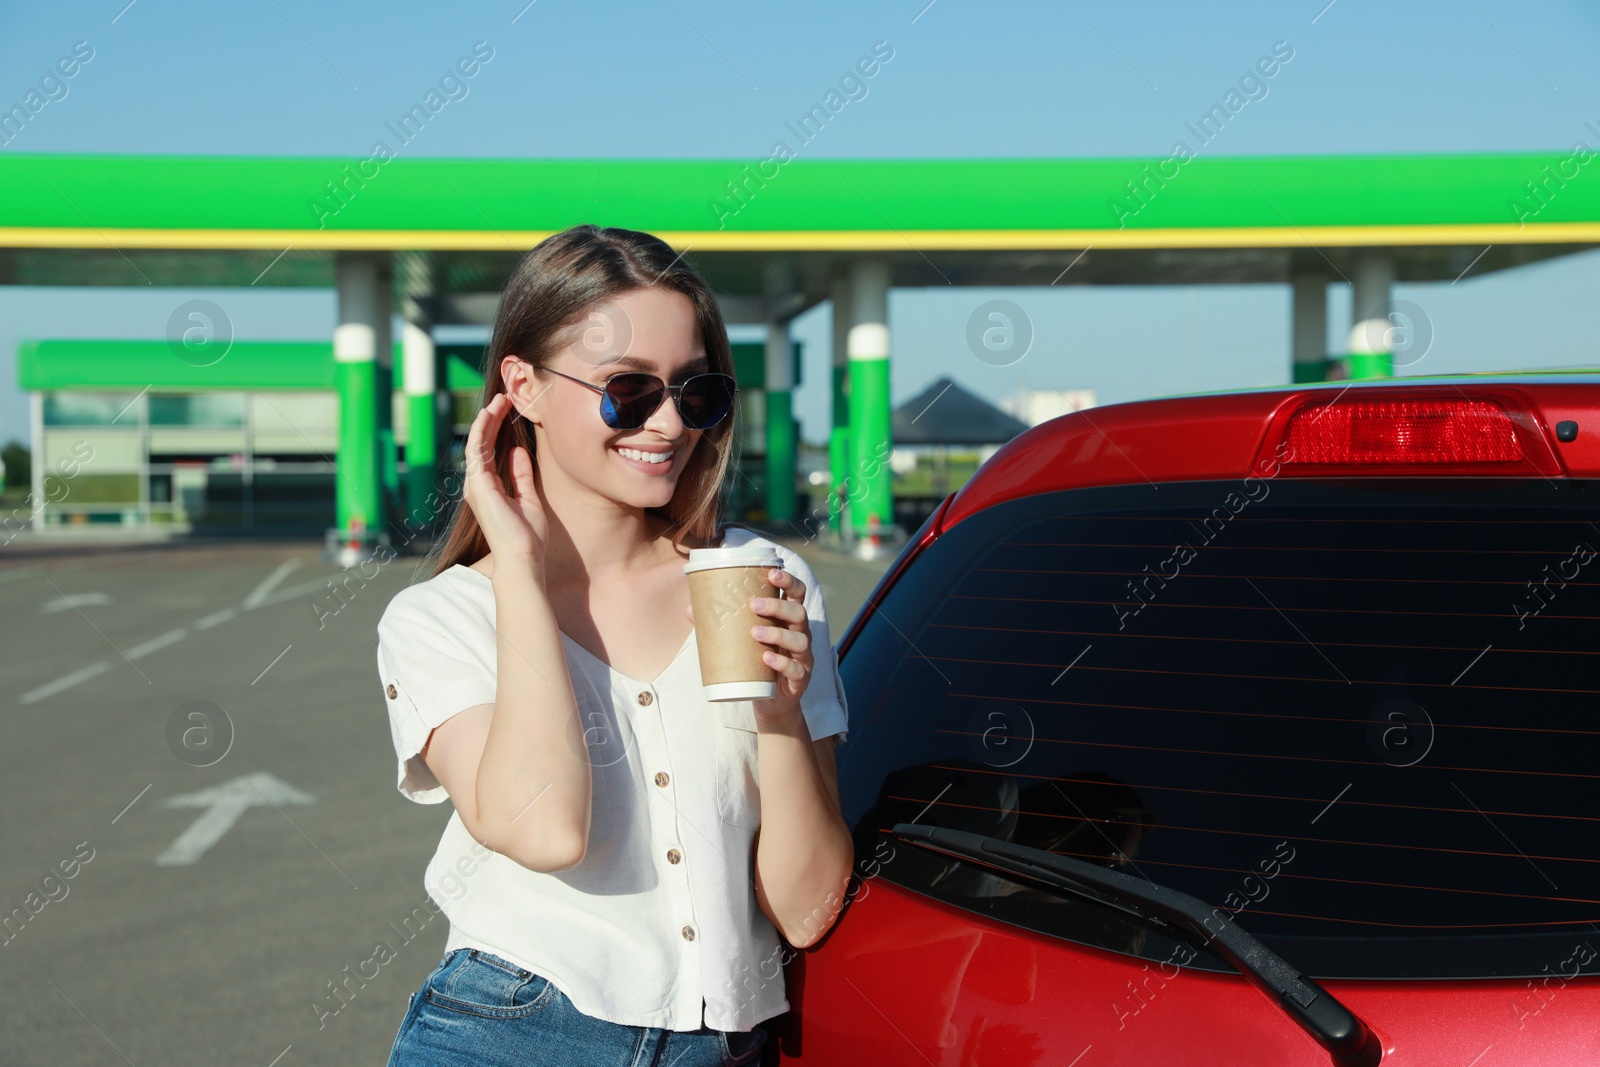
265, 594
262, 591
319, 585
82, 674
156, 644
74, 600
216, 618
262, 595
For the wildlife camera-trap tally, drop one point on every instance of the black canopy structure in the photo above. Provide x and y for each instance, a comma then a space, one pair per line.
946, 414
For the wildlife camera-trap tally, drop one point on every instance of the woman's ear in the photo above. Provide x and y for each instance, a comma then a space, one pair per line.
523, 388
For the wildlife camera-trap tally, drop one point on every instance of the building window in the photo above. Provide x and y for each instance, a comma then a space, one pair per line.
198, 409
92, 409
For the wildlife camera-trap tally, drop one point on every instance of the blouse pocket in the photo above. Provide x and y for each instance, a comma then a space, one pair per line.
738, 791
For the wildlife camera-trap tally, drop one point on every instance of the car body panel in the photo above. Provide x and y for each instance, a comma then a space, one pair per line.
903, 978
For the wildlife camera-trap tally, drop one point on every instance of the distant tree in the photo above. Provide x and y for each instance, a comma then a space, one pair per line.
18, 465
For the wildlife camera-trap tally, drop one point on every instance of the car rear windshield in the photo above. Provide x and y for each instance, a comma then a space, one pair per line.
1360, 717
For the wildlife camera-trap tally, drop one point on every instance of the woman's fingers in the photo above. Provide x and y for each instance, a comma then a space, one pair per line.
480, 446
480, 439
482, 442
522, 473
510, 517
475, 440
791, 654
786, 666
791, 587
790, 612
784, 638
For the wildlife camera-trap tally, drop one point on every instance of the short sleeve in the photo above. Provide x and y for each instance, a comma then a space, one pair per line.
435, 658
823, 702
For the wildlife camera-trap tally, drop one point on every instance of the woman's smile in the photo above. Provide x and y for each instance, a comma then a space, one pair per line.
657, 460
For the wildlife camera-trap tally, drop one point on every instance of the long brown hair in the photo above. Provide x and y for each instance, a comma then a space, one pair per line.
556, 285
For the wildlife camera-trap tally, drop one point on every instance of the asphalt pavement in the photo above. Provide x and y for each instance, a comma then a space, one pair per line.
202, 850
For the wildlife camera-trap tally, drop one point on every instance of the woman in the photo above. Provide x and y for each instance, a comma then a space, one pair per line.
610, 901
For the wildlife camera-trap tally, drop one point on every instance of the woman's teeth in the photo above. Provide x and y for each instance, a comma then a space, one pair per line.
648, 457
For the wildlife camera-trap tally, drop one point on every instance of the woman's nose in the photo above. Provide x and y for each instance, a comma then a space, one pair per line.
666, 421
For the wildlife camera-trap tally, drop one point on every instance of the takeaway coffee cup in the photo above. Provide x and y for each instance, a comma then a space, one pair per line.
722, 582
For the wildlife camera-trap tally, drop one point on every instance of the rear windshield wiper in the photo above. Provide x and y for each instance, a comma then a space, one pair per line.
1336, 1028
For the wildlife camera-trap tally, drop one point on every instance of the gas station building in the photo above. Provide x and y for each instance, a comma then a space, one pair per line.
247, 434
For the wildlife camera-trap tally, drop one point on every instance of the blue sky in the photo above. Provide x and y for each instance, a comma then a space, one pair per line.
699, 79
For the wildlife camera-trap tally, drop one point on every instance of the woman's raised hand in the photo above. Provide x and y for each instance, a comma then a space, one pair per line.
515, 527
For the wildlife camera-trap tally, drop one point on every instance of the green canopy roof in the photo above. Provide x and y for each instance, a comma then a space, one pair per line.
224, 219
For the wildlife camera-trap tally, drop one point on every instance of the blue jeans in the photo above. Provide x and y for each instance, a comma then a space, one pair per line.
478, 1010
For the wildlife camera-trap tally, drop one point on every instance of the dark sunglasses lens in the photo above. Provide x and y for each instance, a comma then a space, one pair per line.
705, 400
630, 400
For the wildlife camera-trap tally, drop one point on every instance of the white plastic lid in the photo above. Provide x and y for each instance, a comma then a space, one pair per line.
701, 559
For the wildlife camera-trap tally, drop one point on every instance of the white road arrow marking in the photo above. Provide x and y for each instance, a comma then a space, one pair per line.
224, 804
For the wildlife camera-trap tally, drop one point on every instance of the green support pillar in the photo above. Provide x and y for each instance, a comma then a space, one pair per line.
422, 453
383, 342
1371, 365
781, 447
839, 435
871, 492
388, 450
422, 424
781, 456
358, 481
838, 444
358, 498
869, 444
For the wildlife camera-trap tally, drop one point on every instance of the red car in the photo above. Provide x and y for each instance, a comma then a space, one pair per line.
1250, 728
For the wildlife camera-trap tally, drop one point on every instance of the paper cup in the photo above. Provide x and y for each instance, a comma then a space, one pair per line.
722, 582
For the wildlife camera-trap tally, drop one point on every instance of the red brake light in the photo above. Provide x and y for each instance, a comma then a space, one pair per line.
1418, 433
1404, 431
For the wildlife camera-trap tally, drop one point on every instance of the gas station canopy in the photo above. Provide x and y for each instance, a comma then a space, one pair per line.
435, 239
239, 221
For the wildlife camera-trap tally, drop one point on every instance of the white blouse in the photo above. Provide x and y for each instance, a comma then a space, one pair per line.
660, 919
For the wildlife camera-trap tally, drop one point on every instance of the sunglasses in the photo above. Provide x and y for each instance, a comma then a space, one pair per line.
628, 399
